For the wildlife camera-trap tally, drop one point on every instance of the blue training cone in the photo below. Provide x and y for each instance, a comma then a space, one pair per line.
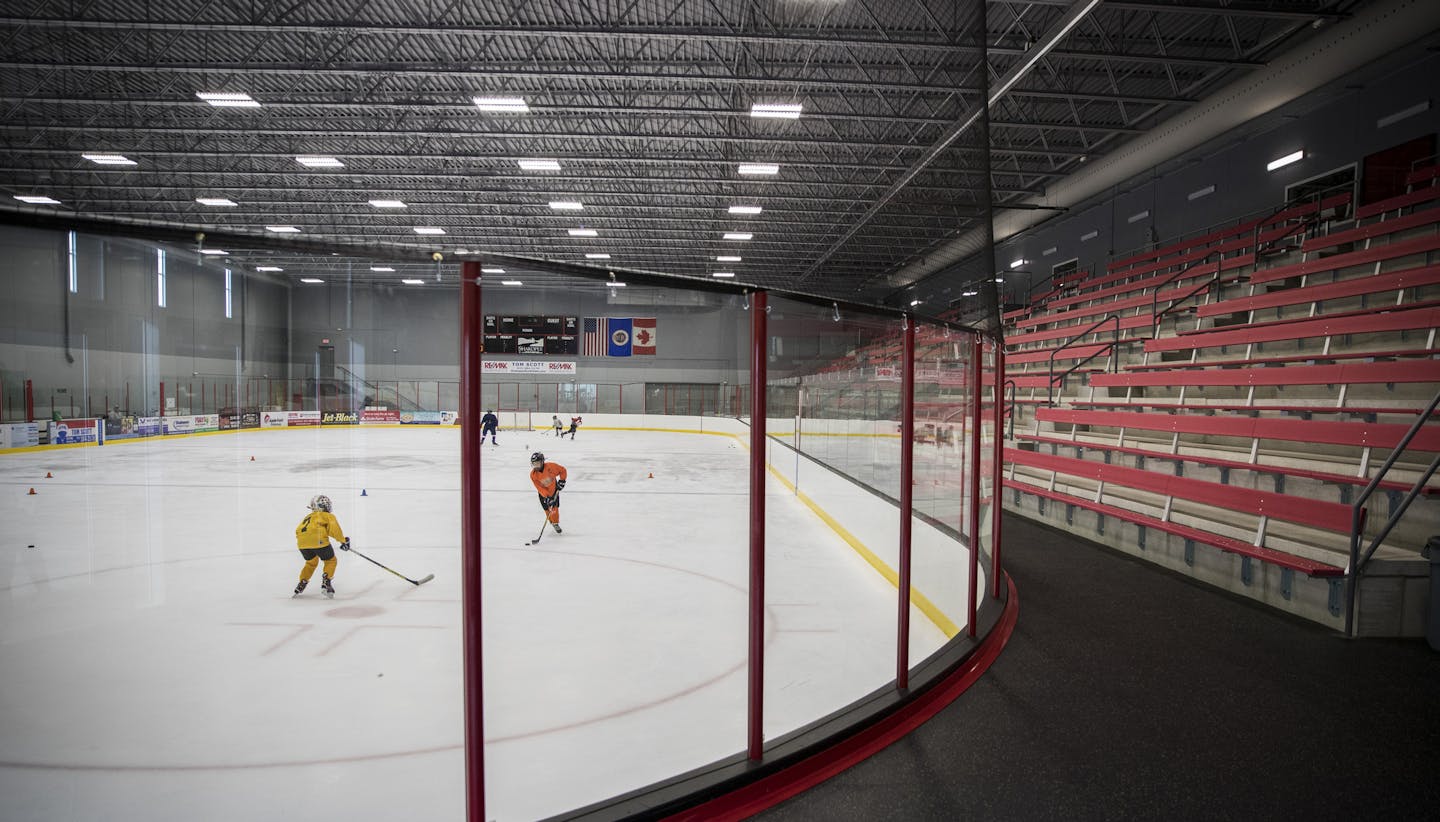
362, 493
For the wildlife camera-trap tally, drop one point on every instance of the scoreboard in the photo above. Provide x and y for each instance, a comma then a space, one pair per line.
531, 334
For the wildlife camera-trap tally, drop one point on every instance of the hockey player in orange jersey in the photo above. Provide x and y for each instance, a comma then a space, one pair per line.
312, 537
549, 479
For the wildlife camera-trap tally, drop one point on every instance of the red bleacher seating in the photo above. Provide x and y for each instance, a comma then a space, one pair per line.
1373, 322
1329, 516
1346, 374
1374, 254
1373, 284
1358, 434
1409, 222
1423, 195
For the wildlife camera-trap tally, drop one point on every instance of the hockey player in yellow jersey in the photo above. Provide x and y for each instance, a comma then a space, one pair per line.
312, 537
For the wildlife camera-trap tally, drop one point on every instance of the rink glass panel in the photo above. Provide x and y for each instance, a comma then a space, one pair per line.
942, 453
651, 572
354, 344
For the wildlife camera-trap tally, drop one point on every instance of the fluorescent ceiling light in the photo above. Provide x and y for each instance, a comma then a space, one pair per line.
227, 99
413, 282
566, 205
427, 229
999, 279
310, 280
270, 268
1201, 192
727, 259
484, 270
583, 232
540, 165
388, 204
745, 209
108, 159
968, 293
37, 199
914, 303
462, 251
759, 168
511, 282
282, 229
722, 274
381, 268
614, 284
1390, 120
213, 252
597, 256
319, 162
786, 111
737, 235
506, 105
1293, 157
216, 201
1018, 263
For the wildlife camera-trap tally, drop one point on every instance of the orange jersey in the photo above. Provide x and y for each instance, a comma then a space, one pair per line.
545, 478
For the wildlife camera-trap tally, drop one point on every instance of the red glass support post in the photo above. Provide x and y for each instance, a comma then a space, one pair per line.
29, 401
977, 383
759, 344
471, 339
162, 399
907, 500
997, 495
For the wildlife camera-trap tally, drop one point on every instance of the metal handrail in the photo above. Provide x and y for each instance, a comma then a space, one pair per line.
1050, 388
1358, 513
1156, 315
1010, 429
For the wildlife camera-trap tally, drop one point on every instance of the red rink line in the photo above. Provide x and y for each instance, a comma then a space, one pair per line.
770, 791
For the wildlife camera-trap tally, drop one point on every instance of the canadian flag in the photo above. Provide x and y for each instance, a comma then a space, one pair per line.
643, 336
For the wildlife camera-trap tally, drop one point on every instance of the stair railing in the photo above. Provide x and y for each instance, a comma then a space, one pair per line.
1358, 513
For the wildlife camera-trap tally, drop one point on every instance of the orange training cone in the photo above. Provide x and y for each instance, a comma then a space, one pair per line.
49, 475
652, 475
252, 458
32, 493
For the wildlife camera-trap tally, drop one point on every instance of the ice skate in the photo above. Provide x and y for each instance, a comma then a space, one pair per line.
557, 528
300, 588
326, 587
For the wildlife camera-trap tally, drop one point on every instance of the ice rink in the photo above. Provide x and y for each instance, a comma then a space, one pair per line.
154, 666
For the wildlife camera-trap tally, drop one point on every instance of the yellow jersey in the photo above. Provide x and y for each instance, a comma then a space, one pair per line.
317, 529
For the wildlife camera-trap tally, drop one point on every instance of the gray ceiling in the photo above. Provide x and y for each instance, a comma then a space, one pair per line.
645, 103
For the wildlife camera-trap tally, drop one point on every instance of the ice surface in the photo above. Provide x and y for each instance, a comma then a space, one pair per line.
154, 666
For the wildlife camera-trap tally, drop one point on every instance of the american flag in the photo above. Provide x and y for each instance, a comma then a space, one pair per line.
594, 342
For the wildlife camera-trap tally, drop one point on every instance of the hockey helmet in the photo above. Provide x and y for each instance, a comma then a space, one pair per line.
320, 502
537, 459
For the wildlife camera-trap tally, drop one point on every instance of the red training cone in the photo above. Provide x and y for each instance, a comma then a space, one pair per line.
652, 475
252, 459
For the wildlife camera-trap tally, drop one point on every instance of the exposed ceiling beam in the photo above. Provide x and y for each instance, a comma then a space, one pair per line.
1052, 37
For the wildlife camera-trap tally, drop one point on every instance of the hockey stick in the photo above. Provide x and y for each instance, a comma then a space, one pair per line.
542, 531
392, 570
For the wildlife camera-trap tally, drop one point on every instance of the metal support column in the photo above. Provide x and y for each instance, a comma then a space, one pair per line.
471, 342
907, 501
759, 343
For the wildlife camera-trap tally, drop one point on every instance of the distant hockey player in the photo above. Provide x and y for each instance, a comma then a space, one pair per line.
574, 426
559, 426
549, 479
312, 537
489, 424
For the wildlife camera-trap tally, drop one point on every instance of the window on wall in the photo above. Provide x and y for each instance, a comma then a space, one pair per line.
160, 277
229, 313
74, 275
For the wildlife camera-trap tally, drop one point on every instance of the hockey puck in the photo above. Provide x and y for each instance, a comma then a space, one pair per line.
29, 546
